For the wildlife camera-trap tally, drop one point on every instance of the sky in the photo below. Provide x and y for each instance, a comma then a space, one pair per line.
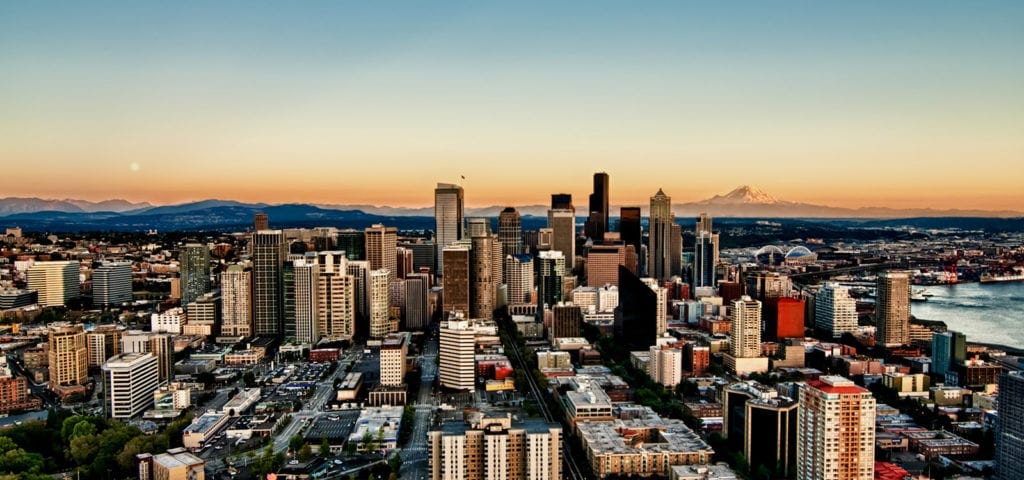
867, 103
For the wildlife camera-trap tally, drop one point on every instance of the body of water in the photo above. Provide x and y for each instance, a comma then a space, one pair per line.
989, 313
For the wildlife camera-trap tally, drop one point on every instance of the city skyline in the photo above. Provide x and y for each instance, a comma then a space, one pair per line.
170, 104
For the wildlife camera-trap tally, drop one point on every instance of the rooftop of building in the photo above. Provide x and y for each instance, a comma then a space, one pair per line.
205, 422
530, 425
664, 435
837, 385
178, 459
719, 471
126, 359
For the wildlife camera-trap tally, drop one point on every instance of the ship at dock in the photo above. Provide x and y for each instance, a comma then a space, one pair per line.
1015, 275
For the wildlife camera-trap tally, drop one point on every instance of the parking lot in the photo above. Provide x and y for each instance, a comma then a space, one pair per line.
335, 426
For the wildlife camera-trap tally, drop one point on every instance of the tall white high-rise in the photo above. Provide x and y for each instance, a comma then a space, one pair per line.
56, 283
336, 297
112, 284
393, 351
379, 305
456, 357
665, 365
448, 219
129, 381
236, 302
307, 301
835, 311
745, 338
519, 278
835, 431
745, 333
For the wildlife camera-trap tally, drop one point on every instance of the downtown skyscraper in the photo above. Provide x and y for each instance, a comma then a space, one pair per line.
562, 222
336, 297
705, 257
448, 219
236, 302
510, 232
268, 255
195, 272
381, 249
835, 431
892, 309
597, 219
666, 241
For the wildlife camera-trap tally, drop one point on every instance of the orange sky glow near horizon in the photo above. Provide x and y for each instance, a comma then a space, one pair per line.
860, 104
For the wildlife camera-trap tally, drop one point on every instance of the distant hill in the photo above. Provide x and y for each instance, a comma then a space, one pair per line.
745, 202
11, 205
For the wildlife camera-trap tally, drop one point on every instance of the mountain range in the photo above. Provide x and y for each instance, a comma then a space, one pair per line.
744, 202
68, 214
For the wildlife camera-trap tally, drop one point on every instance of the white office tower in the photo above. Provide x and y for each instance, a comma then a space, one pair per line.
456, 360
169, 321
129, 380
393, 351
336, 297
379, 304
661, 309
835, 431
448, 200
56, 283
665, 365
307, 301
519, 278
112, 284
745, 338
236, 302
835, 311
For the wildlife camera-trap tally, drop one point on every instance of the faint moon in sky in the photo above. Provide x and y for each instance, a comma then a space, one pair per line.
134, 167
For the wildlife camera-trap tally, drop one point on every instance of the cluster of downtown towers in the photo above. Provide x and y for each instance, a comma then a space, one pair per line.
349, 287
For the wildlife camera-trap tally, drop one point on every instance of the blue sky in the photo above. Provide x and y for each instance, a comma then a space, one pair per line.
923, 100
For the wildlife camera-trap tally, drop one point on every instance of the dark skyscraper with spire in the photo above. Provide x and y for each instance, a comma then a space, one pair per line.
597, 221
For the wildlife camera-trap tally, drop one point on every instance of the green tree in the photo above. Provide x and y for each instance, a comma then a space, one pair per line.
367, 442
14, 459
305, 453
84, 448
325, 446
396, 464
249, 379
295, 443
83, 428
